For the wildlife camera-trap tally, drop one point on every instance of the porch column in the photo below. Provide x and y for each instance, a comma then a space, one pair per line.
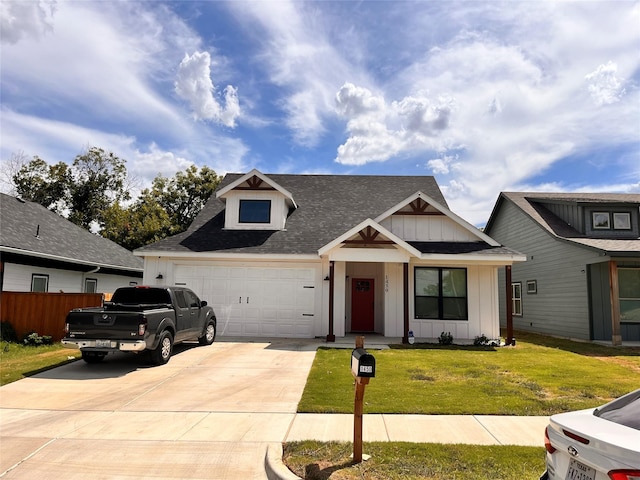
405, 290
614, 294
331, 337
509, 297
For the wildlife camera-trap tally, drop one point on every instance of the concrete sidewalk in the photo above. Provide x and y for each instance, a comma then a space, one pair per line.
461, 429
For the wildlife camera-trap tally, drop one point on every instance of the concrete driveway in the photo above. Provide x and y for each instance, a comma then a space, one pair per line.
209, 413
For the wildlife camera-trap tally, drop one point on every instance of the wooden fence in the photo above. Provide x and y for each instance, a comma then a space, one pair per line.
43, 313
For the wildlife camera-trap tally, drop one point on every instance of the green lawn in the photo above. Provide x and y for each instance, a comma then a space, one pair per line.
411, 461
18, 361
540, 376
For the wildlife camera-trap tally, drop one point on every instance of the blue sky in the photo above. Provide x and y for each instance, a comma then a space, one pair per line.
487, 96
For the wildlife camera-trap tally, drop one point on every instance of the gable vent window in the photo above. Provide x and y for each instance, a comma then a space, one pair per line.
255, 211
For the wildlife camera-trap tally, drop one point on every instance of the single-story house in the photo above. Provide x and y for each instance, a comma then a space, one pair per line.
326, 255
40, 251
582, 275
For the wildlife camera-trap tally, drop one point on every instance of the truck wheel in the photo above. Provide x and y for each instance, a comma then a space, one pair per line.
161, 354
209, 334
93, 357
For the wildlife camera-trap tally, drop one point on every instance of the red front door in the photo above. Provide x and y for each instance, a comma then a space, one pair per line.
362, 300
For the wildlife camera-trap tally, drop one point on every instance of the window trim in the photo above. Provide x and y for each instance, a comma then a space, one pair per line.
441, 297
532, 287
91, 280
254, 200
516, 299
40, 276
622, 215
596, 221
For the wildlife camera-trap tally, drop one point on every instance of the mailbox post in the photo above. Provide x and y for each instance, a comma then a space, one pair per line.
363, 367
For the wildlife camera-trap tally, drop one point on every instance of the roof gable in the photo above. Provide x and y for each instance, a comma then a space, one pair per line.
255, 180
421, 204
368, 232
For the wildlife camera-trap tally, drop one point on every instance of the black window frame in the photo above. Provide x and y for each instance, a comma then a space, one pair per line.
246, 202
440, 297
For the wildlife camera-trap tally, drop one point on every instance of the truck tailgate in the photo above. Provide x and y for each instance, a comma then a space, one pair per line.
104, 325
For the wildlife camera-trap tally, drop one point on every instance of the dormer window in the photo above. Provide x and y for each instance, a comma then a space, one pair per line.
255, 211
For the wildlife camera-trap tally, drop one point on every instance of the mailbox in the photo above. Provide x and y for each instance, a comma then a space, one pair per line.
363, 364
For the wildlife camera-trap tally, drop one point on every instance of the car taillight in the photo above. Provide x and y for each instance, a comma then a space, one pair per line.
624, 474
66, 327
142, 326
547, 442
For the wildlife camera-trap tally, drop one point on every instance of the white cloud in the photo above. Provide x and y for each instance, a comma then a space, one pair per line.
303, 55
22, 18
605, 87
194, 84
379, 130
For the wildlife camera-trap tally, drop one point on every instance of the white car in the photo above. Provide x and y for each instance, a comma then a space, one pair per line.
595, 444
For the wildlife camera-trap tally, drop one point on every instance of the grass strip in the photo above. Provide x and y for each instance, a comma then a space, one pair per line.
314, 460
19, 361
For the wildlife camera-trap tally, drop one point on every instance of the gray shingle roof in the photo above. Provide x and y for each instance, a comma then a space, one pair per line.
30, 229
328, 206
532, 204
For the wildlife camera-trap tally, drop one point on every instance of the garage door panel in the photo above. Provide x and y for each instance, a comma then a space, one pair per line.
254, 301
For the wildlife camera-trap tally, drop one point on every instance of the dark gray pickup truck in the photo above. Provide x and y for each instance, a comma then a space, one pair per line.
141, 319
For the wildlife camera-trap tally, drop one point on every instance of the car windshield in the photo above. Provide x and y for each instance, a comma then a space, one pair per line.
624, 410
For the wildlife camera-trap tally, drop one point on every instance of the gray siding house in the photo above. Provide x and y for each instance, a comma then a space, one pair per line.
582, 275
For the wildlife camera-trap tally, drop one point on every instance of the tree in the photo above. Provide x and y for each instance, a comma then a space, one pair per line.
99, 180
94, 181
142, 223
165, 209
37, 181
184, 195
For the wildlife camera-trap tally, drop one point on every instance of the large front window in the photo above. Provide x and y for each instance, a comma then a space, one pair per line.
629, 288
255, 211
441, 293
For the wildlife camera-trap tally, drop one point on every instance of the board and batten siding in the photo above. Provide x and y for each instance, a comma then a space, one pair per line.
561, 305
431, 228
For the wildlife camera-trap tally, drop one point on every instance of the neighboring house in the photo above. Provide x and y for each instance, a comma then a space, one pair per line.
582, 275
40, 251
316, 255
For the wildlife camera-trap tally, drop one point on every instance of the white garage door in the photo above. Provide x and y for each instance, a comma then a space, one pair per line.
251, 301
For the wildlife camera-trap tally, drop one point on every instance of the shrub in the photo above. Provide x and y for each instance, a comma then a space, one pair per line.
7, 332
32, 339
483, 340
445, 338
